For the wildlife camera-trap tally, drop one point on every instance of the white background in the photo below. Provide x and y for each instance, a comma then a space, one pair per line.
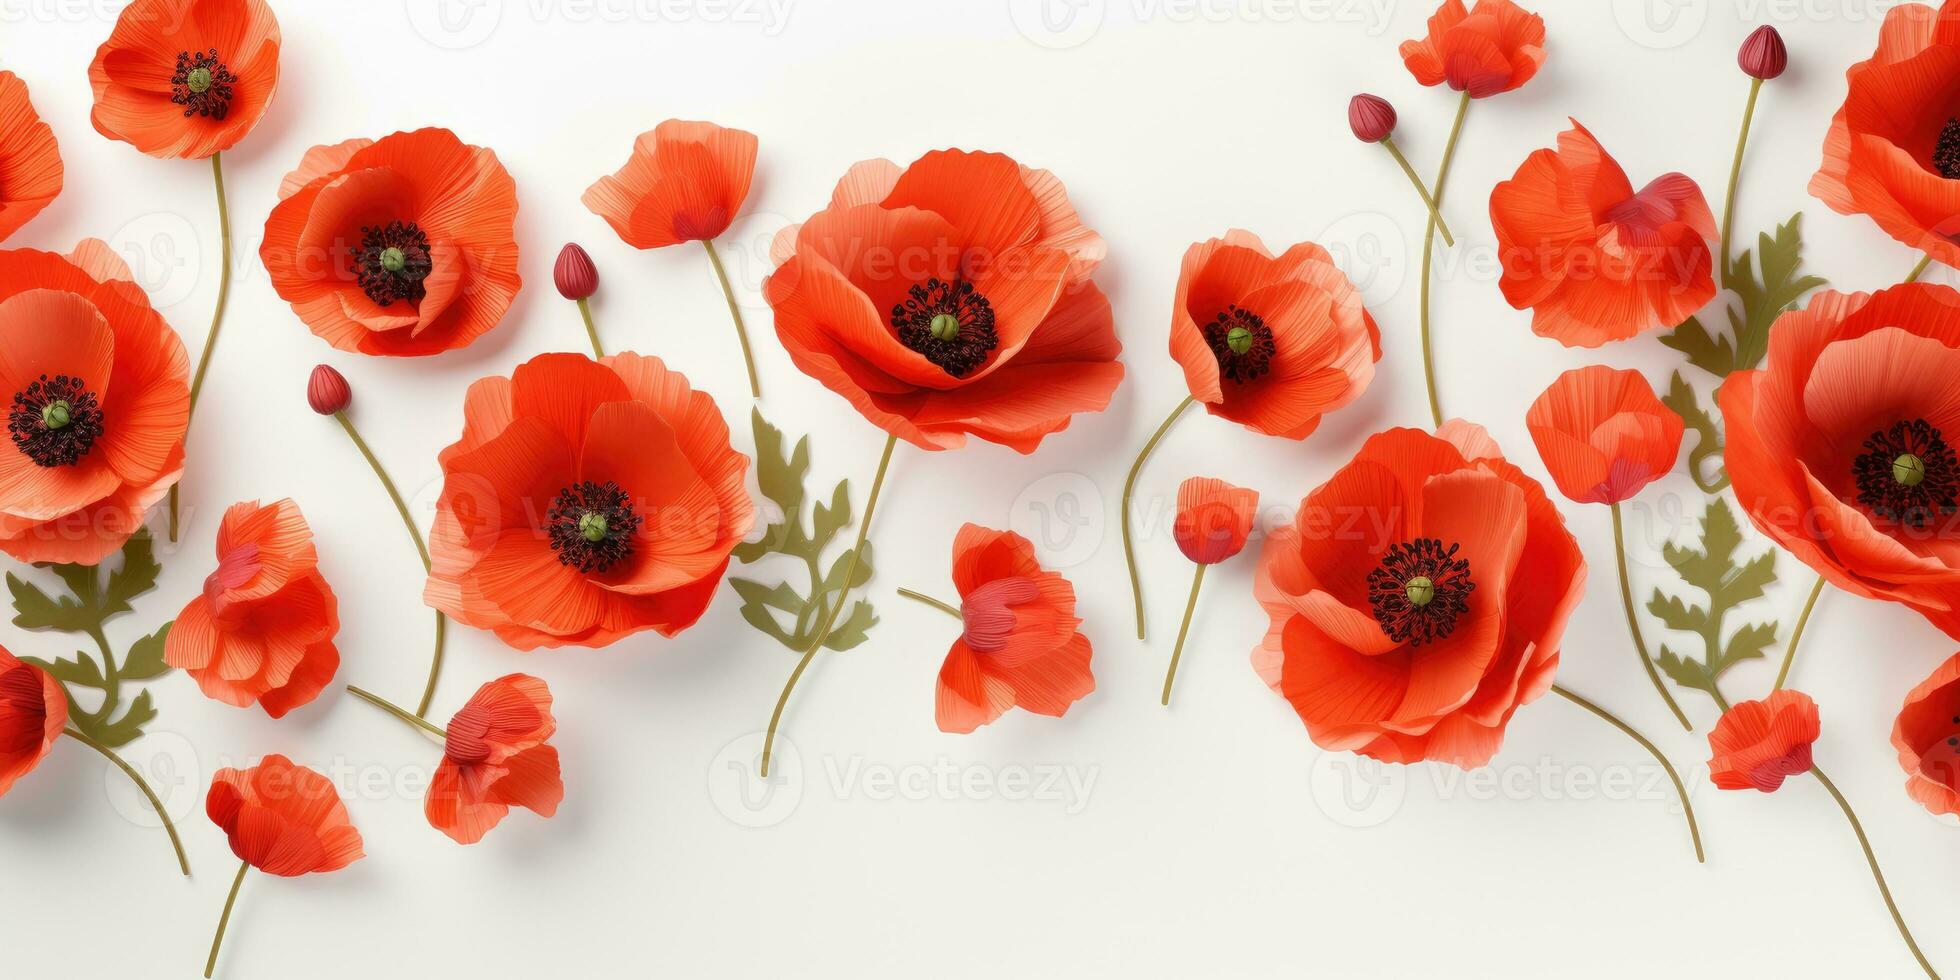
1209, 839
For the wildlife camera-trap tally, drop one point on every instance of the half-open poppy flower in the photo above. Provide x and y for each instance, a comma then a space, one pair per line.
30, 164
1270, 343
1214, 518
185, 78
685, 182
283, 819
402, 246
33, 710
1593, 259
1758, 744
1494, 48
100, 400
1603, 434
1927, 735
495, 758
1419, 599
950, 298
1021, 647
586, 501
1840, 446
263, 629
1893, 149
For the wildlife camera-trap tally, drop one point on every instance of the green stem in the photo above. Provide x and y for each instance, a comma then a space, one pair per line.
1735, 175
1177, 651
217, 315
591, 329
415, 720
1428, 256
217, 941
111, 676
1435, 214
945, 607
1877, 875
421, 549
1796, 635
1920, 269
1129, 487
735, 311
830, 618
156, 804
1633, 622
1694, 829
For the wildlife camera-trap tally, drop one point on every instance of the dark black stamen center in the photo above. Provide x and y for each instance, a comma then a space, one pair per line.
55, 421
1420, 590
950, 323
1242, 343
1908, 474
592, 526
392, 262
1946, 153
202, 84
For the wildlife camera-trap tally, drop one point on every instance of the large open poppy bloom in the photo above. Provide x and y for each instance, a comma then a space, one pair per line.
402, 246
1893, 149
1487, 51
1839, 445
185, 78
100, 400
1021, 647
30, 164
33, 710
1758, 744
1927, 735
1418, 599
495, 758
684, 182
950, 298
262, 630
586, 501
1603, 434
1593, 259
1271, 343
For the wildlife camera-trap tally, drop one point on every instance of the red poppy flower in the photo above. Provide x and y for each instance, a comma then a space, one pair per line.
1838, 445
402, 246
1214, 518
100, 398
950, 298
1418, 600
283, 819
496, 758
33, 710
1270, 343
685, 182
1603, 434
585, 502
1893, 149
185, 78
263, 628
30, 164
1487, 51
1021, 647
1593, 259
1758, 744
1927, 735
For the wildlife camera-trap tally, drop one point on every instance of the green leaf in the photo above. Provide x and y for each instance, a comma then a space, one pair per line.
1682, 399
781, 596
137, 575
124, 730
145, 660
852, 631
1765, 286
1711, 567
79, 672
35, 610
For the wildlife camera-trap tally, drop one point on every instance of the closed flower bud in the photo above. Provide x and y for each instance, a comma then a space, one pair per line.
576, 276
1371, 118
328, 392
1763, 54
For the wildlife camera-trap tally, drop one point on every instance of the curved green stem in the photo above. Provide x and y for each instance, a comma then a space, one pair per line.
1796, 635
1735, 174
1633, 623
1435, 214
183, 863
1877, 875
218, 940
217, 315
416, 721
1129, 487
735, 311
1920, 269
830, 617
1177, 651
591, 329
1428, 256
945, 607
421, 549
1688, 808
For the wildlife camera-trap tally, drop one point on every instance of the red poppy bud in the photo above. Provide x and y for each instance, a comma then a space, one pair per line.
576, 276
328, 392
1371, 118
1763, 54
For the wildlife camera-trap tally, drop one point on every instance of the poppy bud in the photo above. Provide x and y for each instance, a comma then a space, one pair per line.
1763, 54
328, 392
576, 276
1371, 118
